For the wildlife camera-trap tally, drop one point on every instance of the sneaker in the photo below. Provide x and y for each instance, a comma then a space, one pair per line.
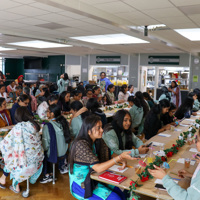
46, 179
64, 170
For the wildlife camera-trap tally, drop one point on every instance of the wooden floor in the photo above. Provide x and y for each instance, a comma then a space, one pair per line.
48, 191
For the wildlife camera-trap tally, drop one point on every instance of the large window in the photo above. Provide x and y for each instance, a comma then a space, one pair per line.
1, 64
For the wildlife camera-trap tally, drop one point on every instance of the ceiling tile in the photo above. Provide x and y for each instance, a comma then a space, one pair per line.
46, 7
24, 1
182, 25
72, 15
6, 4
10, 16
93, 2
170, 20
185, 2
195, 18
31, 21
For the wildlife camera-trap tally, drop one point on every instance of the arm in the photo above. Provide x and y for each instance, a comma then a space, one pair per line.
75, 126
136, 141
45, 138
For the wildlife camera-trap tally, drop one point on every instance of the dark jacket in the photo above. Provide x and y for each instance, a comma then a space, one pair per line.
166, 119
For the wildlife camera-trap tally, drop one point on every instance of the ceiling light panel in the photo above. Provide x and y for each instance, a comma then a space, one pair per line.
192, 34
39, 44
110, 39
6, 49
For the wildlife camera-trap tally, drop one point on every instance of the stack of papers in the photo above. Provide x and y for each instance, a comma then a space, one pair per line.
164, 135
176, 129
115, 168
193, 150
157, 144
182, 161
184, 125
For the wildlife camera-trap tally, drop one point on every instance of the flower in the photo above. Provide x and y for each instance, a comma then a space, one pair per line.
143, 179
173, 145
163, 158
169, 154
132, 183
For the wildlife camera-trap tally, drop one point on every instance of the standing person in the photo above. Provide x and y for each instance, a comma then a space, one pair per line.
131, 90
89, 153
165, 94
63, 83
104, 82
176, 93
11, 87
2, 77
123, 95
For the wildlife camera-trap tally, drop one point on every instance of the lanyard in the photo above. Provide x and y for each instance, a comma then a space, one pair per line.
4, 119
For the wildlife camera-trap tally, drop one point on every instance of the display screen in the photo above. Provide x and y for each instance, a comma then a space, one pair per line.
32, 63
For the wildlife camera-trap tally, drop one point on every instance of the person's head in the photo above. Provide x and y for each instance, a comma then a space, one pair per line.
26, 90
52, 99
2, 88
164, 105
1, 74
75, 106
164, 90
12, 83
111, 88
92, 105
45, 92
172, 109
134, 101
20, 78
65, 97
130, 88
197, 92
174, 84
65, 76
96, 90
18, 90
2, 103
22, 114
124, 88
146, 96
24, 84
81, 83
42, 86
23, 100
77, 95
103, 75
193, 95
89, 93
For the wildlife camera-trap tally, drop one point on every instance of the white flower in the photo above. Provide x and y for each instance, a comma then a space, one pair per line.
190, 129
197, 126
180, 137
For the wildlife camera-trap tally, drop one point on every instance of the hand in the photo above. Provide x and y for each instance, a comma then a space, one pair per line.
157, 172
124, 163
169, 89
197, 158
184, 173
126, 155
167, 127
143, 149
194, 113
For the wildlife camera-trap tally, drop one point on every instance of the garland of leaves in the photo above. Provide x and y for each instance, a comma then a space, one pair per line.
39, 120
145, 175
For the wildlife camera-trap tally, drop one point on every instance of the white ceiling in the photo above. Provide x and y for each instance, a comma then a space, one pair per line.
23, 20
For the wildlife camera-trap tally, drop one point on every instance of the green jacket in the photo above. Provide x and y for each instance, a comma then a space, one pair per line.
196, 105
136, 115
62, 84
62, 146
112, 142
76, 125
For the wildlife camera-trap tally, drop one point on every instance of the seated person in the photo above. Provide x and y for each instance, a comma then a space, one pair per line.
89, 94
130, 90
136, 112
165, 94
16, 93
58, 127
153, 123
5, 118
3, 93
185, 110
176, 191
23, 101
64, 102
97, 93
22, 141
89, 153
123, 94
168, 118
38, 90
93, 106
11, 87
196, 102
119, 138
148, 99
44, 94
77, 96
110, 96
78, 115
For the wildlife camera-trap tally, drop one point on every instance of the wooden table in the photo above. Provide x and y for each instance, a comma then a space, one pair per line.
148, 187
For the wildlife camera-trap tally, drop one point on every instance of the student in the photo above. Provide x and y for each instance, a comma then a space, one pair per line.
89, 153
93, 106
165, 94
44, 94
43, 107
3, 93
136, 112
14, 95
168, 118
5, 118
196, 102
96, 92
104, 82
110, 96
79, 113
175, 93
55, 140
119, 137
22, 141
2, 77
123, 95
64, 102
77, 96
39, 90
19, 80
63, 83
197, 92
131, 90
185, 110
148, 99
153, 123
23, 101
174, 190
89, 95
11, 87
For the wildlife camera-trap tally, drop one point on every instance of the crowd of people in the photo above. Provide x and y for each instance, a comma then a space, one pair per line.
88, 141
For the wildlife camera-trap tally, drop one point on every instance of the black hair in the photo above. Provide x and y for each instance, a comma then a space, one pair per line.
2, 100
146, 95
62, 96
88, 90
191, 94
110, 87
53, 87
87, 125
77, 92
172, 106
165, 91
18, 87
186, 106
135, 101
95, 88
140, 96
129, 87
27, 91
55, 109
2, 85
46, 92
12, 82
93, 105
174, 83
23, 97
52, 97
76, 105
81, 89
103, 73
1, 75
22, 114
164, 103
197, 92
123, 87
65, 76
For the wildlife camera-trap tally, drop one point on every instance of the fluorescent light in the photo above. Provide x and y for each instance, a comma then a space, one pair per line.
6, 49
156, 26
110, 39
39, 44
192, 34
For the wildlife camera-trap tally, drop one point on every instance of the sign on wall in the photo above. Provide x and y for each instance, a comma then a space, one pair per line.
164, 60
108, 59
195, 78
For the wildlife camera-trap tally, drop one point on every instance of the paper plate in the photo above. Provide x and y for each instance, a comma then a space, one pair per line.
159, 153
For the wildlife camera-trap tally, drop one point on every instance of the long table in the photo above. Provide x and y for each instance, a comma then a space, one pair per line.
148, 187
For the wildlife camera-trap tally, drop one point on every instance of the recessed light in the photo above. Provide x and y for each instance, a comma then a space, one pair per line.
6, 49
39, 44
192, 34
110, 39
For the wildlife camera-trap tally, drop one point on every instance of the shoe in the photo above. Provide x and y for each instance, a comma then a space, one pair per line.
64, 170
46, 179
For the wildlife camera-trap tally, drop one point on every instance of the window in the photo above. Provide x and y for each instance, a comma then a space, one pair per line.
1, 64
